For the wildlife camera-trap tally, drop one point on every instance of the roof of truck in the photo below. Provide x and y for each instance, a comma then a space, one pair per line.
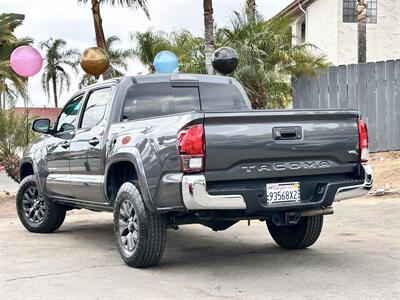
173, 77
151, 78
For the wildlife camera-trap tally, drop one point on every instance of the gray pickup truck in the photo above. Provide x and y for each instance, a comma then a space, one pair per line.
161, 151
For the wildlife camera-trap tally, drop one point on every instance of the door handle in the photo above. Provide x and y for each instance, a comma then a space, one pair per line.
65, 145
94, 141
287, 133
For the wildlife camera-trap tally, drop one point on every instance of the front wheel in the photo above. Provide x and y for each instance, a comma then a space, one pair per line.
302, 235
36, 213
140, 234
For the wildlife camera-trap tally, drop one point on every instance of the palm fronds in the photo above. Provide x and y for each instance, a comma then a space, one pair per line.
134, 4
57, 64
12, 86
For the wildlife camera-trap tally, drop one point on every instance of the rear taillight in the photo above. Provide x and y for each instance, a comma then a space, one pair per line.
363, 141
191, 148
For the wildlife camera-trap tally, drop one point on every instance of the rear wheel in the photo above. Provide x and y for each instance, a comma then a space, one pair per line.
36, 213
140, 234
302, 235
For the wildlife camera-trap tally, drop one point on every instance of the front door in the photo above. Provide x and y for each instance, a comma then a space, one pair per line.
57, 156
87, 149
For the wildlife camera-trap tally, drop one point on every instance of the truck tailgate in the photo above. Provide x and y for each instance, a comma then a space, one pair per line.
284, 143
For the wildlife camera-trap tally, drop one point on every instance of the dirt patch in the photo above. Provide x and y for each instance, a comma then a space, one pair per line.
386, 166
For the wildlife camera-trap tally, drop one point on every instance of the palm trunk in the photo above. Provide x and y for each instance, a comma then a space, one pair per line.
208, 34
98, 28
251, 6
362, 42
261, 100
54, 83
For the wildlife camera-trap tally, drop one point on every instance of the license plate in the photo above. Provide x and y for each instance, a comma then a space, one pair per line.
283, 192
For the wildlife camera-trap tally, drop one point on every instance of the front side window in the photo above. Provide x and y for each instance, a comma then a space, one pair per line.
159, 99
67, 118
96, 107
350, 14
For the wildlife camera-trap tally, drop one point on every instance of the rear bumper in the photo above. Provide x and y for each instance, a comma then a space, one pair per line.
196, 197
355, 191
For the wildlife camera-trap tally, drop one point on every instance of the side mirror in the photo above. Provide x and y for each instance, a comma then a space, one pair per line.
41, 125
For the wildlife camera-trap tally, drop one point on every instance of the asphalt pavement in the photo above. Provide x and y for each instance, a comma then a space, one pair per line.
356, 257
7, 184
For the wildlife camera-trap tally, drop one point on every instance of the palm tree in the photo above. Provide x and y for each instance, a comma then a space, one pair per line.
208, 34
188, 48
118, 56
98, 22
57, 62
118, 61
13, 129
267, 58
8, 40
190, 51
148, 44
11, 85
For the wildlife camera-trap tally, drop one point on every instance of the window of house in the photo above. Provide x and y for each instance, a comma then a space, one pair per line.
303, 32
350, 14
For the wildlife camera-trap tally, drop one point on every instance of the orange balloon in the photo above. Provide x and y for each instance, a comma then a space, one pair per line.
94, 61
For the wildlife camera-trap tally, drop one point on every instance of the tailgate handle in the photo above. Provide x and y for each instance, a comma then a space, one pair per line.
287, 133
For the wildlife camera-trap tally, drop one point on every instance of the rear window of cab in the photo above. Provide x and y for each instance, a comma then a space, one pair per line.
148, 100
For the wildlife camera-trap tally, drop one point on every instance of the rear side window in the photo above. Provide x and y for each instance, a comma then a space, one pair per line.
222, 97
158, 99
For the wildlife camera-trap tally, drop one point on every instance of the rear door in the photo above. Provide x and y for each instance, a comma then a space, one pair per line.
274, 144
87, 147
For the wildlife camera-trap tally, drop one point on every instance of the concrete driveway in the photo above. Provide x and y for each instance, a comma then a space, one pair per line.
7, 184
357, 257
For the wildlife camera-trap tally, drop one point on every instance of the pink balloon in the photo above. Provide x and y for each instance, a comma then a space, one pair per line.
26, 61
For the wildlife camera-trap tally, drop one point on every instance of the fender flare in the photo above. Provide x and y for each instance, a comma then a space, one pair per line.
131, 155
26, 160
29, 160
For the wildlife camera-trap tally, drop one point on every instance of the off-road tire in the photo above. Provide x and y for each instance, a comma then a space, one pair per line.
54, 213
150, 232
299, 236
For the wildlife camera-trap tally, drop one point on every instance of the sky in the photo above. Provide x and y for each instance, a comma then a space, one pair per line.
73, 22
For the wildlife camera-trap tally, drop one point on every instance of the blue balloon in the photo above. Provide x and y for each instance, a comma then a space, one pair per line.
165, 62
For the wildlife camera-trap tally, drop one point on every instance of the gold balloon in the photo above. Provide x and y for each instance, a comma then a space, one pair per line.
94, 61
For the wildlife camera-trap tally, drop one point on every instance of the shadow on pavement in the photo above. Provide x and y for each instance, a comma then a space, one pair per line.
199, 247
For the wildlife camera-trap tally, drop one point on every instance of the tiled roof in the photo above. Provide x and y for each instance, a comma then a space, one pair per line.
41, 112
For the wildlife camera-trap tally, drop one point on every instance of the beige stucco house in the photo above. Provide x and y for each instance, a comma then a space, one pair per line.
331, 26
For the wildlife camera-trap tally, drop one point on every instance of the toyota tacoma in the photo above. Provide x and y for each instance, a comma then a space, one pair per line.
160, 151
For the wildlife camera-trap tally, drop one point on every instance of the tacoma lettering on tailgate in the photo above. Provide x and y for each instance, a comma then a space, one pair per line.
318, 164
